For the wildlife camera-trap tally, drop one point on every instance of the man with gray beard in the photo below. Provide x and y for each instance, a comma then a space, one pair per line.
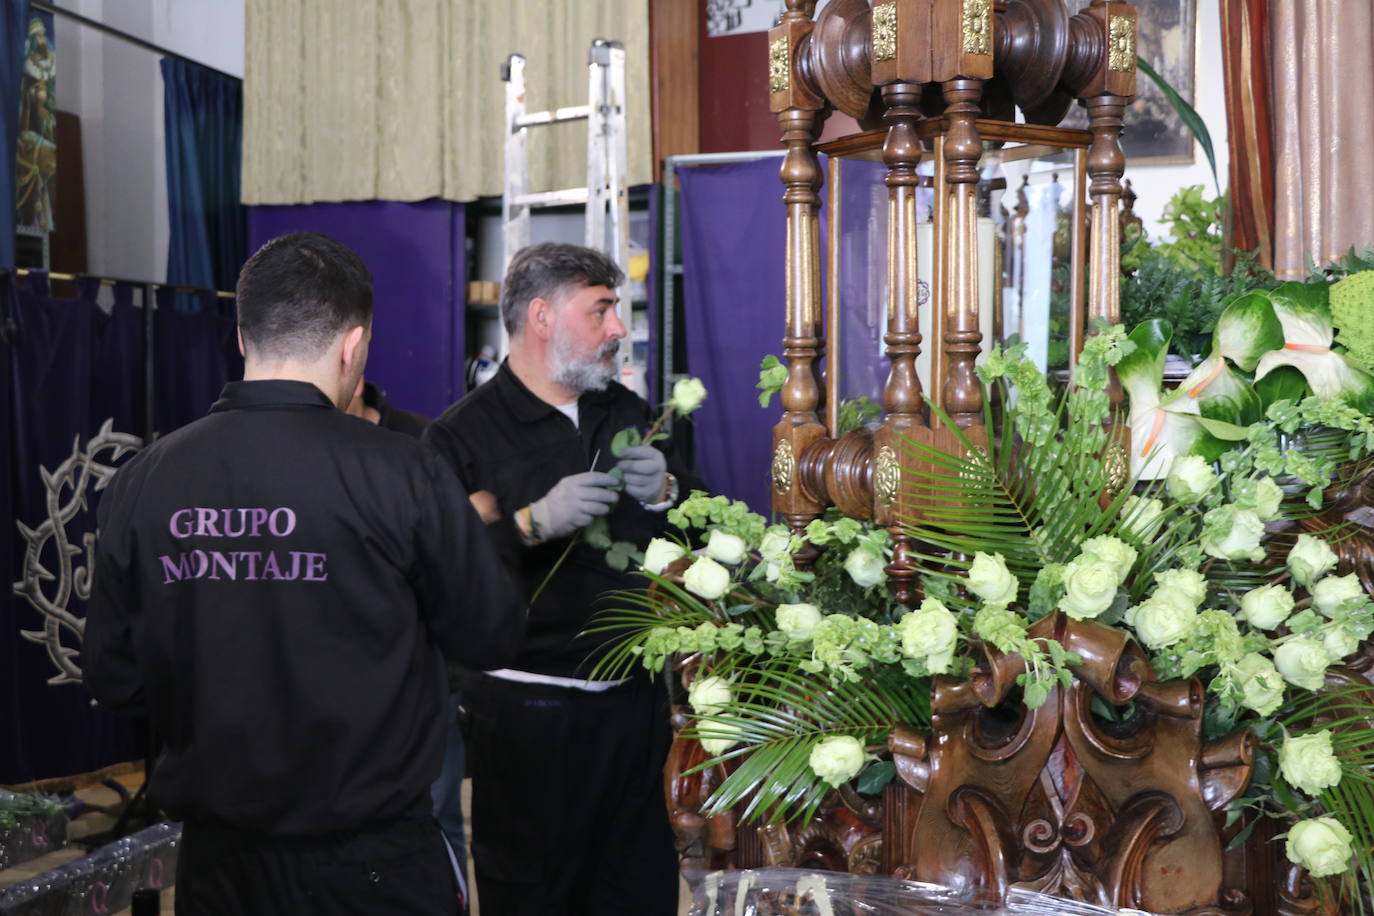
568, 814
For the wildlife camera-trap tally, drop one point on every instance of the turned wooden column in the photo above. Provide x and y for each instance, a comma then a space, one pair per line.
902, 397
800, 111
1104, 71
962, 396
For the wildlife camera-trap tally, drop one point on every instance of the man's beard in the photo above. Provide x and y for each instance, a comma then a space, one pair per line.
579, 373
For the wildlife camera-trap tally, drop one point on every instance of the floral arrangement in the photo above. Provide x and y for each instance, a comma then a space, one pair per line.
800, 673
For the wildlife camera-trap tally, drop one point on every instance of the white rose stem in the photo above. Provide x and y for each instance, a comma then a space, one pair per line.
577, 536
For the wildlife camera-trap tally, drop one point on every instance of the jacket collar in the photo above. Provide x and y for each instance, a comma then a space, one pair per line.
245, 395
527, 407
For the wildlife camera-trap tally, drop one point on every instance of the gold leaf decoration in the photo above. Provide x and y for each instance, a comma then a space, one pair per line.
1121, 44
977, 27
784, 467
885, 31
887, 476
779, 65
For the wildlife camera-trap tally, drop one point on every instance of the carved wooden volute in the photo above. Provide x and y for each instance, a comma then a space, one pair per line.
1060, 801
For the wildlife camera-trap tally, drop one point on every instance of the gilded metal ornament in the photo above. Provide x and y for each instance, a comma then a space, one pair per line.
887, 475
784, 467
1121, 44
977, 27
885, 31
1116, 466
779, 65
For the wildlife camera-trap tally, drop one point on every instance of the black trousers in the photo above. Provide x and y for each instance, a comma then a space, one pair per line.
399, 867
568, 816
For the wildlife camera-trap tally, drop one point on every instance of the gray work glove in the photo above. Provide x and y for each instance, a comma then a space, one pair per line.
645, 470
572, 503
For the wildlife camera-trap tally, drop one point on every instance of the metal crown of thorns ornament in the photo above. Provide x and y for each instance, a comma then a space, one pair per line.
1048, 800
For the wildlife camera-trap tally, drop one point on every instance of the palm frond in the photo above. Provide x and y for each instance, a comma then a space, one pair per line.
778, 716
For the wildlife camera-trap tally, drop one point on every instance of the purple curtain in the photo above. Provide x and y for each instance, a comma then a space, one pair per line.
733, 232
416, 255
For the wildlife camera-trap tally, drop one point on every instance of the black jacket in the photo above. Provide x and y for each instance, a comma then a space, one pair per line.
503, 439
273, 586
391, 417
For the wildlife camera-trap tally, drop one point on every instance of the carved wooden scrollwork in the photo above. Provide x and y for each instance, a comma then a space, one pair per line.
1057, 800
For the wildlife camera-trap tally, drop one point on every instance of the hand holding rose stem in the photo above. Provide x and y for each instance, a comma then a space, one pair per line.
687, 396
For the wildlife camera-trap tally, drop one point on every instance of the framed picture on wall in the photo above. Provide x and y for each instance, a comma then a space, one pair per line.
1166, 38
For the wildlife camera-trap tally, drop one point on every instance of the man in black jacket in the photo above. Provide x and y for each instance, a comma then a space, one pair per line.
568, 814
274, 584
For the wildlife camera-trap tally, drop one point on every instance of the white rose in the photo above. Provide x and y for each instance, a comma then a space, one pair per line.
706, 578
1302, 662
1261, 684
1190, 478
1332, 592
1090, 588
865, 567
1321, 845
1267, 606
660, 553
930, 632
989, 579
726, 548
1185, 586
1339, 643
708, 694
1162, 621
838, 759
1308, 763
1310, 559
1115, 552
798, 621
688, 393
1141, 516
776, 545
1263, 496
717, 740
1237, 541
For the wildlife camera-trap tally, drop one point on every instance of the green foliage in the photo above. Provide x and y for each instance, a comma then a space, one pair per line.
17, 806
1181, 281
1352, 311
1187, 114
772, 376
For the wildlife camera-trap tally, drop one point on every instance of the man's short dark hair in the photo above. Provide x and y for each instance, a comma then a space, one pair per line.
545, 271
298, 292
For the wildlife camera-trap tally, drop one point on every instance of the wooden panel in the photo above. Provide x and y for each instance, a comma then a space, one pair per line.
68, 251
674, 40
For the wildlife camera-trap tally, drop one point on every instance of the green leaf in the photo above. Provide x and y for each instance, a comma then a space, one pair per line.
875, 776
628, 437
1282, 383
1187, 113
597, 534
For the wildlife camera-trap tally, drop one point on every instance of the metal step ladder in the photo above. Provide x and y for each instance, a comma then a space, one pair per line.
605, 195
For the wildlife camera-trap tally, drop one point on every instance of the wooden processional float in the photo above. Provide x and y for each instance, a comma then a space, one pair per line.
1049, 799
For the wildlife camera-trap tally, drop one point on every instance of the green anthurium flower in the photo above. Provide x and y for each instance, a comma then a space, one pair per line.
1162, 429
1213, 390
1247, 329
1303, 311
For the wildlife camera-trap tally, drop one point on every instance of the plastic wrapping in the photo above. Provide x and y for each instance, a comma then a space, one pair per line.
798, 892
31, 834
102, 882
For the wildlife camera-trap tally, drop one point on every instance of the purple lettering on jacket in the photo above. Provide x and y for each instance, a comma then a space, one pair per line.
257, 517
270, 569
192, 565
205, 522
225, 562
314, 568
288, 524
229, 532
177, 529
252, 557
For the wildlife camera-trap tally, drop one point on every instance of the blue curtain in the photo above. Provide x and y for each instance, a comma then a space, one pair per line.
14, 16
203, 116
